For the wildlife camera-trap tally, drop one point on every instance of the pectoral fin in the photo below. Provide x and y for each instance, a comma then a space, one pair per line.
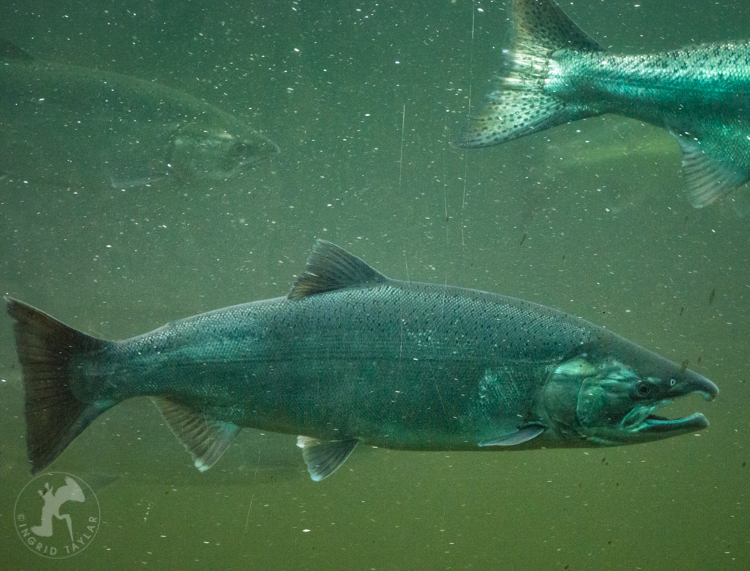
519, 437
708, 170
323, 458
205, 438
10, 51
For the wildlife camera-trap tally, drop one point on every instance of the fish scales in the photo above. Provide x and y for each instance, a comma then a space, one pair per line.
717, 78
343, 362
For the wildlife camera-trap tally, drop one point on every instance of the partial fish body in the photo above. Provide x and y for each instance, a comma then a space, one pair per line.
351, 356
555, 73
67, 125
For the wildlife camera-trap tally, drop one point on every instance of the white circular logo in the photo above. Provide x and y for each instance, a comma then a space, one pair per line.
57, 515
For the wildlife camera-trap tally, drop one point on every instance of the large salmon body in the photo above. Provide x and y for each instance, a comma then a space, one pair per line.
71, 126
351, 356
555, 73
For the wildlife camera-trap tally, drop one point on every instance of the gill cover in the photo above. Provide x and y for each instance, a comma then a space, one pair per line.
200, 151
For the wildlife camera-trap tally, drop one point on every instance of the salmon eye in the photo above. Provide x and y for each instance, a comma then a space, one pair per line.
642, 389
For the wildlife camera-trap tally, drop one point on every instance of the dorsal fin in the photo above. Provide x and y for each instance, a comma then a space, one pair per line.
10, 51
330, 268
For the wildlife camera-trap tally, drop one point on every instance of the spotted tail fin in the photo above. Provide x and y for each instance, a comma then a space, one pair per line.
519, 106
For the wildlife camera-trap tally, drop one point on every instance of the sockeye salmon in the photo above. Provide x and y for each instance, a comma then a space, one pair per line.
351, 356
555, 73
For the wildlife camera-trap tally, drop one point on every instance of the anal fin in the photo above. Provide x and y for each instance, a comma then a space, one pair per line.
519, 437
205, 438
324, 457
707, 174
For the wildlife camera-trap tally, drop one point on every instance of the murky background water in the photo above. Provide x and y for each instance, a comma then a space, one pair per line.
362, 98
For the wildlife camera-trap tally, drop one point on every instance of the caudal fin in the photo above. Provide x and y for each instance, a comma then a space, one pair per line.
47, 350
519, 106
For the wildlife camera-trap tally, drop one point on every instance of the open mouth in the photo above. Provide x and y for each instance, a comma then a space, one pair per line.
250, 152
654, 423
642, 420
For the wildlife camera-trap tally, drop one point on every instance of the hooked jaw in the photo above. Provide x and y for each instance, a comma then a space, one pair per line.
658, 424
642, 421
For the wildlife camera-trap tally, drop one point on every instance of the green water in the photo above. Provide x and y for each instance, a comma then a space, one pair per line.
362, 98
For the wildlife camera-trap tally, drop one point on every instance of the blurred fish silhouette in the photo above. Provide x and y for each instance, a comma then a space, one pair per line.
62, 124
